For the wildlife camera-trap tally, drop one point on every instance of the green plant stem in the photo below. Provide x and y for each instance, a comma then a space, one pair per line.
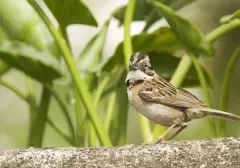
92, 141
64, 109
181, 71
127, 49
226, 87
185, 63
81, 86
145, 128
38, 126
201, 78
60, 132
65, 36
14, 89
204, 87
97, 97
25, 97
110, 110
80, 130
32, 103
157, 131
127, 44
222, 30
98, 94
32, 99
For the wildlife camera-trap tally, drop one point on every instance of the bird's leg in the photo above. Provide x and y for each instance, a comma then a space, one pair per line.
159, 140
183, 126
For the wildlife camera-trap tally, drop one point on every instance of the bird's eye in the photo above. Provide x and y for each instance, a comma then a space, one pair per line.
128, 82
145, 64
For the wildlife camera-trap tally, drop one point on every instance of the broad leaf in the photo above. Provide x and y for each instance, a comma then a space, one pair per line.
69, 12
144, 11
228, 18
91, 54
39, 65
20, 22
193, 39
141, 12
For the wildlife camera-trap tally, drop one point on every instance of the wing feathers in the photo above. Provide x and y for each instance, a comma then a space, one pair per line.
160, 91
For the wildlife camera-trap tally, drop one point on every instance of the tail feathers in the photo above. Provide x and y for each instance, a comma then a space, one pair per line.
220, 114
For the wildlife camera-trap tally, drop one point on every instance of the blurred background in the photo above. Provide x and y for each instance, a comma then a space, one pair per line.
15, 113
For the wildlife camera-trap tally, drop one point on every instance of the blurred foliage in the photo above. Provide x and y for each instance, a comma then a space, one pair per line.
92, 53
39, 65
79, 14
191, 37
26, 27
145, 11
228, 18
96, 86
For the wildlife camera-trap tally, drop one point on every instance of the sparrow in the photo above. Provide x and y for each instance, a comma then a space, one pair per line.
161, 102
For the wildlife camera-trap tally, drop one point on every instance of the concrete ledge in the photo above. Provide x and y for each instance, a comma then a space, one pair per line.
220, 153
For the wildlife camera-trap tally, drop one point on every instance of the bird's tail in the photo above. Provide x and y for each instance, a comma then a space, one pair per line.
220, 114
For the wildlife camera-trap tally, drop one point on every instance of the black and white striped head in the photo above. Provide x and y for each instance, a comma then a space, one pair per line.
139, 69
140, 61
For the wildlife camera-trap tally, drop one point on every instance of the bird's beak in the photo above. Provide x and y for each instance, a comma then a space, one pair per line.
129, 76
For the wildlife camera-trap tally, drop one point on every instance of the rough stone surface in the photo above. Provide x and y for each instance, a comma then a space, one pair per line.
220, 153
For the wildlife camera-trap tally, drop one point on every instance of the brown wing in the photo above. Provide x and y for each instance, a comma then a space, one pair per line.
160, 91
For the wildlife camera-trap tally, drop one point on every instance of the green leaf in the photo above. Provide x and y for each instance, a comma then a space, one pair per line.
141, 12
20, 22
69, 12
144, 11
193, 39
162, 39
39, 65
91, 54
228, 18
88, 59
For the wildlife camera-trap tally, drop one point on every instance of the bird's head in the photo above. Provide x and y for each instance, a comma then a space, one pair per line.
139, 68
140, 61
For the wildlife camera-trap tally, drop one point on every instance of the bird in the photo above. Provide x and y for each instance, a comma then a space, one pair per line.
161, 102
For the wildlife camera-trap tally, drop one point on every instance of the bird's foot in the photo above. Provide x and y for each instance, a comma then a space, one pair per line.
159, 140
